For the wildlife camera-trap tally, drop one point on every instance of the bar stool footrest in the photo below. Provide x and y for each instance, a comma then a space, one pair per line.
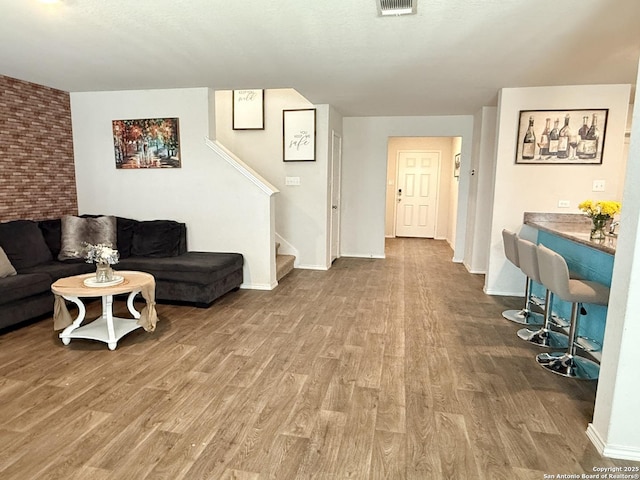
560, 322
588, 344
544, 338
569, 365
537, 301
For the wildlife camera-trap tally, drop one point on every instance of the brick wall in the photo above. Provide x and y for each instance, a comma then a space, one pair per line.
37, 174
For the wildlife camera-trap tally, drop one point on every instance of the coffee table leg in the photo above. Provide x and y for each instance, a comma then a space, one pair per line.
132, 309
107, 314
77, 322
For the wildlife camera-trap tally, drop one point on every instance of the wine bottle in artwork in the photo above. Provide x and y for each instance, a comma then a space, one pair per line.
529, 142
590, 149
582, 133
563, 140
544, 140
554, 138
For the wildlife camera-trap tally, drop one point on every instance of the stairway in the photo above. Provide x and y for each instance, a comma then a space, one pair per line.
284, 264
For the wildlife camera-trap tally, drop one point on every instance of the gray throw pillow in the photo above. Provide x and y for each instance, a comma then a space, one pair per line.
76, 231
6, 269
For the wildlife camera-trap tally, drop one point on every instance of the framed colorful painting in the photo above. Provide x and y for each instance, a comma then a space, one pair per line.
146, 143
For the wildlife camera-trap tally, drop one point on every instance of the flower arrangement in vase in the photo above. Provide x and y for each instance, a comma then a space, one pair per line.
600, 212
103, 255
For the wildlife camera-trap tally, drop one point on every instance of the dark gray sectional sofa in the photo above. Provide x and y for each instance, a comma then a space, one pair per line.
158, 247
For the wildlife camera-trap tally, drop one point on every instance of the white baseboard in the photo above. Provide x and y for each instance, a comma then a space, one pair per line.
470, 270
312, 267
259, 286
595, 438
502, 293
612, 451
359, 255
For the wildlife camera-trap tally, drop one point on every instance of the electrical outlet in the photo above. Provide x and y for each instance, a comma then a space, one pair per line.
564, 203
598, 186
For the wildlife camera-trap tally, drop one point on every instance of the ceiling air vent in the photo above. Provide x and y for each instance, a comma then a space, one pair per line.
396, 7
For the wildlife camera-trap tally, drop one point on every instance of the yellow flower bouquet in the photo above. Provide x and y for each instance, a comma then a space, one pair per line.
600, 213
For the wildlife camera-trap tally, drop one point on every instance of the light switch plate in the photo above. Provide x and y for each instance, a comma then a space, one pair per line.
564, 203
598, 186
292, 180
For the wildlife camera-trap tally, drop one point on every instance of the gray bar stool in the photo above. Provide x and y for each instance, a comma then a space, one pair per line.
555, 276
544, 337
524, 316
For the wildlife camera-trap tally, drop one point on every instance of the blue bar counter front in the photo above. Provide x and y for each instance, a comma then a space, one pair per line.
590, 264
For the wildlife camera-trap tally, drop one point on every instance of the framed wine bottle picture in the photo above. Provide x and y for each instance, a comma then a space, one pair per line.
561, 137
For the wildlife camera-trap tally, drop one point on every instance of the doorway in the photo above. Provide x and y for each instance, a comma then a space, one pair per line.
417, 193
445, 189
334, 185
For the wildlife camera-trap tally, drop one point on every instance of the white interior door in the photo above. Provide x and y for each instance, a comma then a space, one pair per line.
417, 194
336, 161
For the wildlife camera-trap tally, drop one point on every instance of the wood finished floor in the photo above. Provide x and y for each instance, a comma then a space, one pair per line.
398, 368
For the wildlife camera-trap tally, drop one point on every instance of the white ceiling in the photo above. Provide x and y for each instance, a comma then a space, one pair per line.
450, 58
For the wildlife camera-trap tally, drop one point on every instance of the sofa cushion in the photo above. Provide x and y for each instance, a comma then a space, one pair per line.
51, 231
156, 238
22, 286
76, 231
56, 270
24, 244
193, 267
6, 269
126, 228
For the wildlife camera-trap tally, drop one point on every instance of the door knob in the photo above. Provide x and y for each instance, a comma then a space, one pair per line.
335, 207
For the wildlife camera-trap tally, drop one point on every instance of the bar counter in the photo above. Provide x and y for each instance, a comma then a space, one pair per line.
575, 227
568, 234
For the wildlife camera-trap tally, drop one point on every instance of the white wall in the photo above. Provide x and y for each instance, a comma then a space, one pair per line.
481, 191
454, 193
538, 188
301, 211
615, 429
364, 176
223, 211
440, 144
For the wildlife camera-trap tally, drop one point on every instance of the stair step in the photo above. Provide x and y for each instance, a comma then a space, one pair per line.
284, 265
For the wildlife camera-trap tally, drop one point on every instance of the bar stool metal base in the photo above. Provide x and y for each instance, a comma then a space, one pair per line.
570, 366
523, 317
544, 338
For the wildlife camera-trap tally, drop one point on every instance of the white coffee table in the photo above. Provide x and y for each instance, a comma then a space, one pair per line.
106, 328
